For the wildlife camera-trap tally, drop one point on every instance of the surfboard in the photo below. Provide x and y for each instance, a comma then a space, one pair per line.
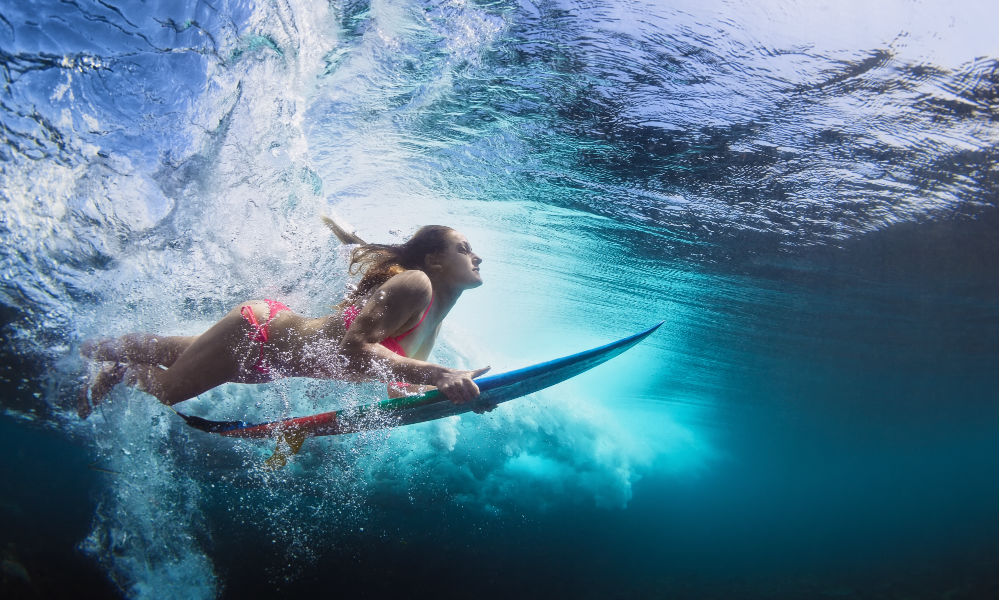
395, 412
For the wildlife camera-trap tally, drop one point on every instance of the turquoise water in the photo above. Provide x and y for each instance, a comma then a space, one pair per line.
806, 193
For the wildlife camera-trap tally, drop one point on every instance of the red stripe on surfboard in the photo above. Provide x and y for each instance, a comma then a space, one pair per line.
265, 429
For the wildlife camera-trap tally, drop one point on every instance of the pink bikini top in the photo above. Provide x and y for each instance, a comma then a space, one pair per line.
392, 343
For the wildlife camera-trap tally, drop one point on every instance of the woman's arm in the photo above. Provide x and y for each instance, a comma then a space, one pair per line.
395, 307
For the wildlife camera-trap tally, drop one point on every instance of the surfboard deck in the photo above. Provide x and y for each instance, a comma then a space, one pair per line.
394, 412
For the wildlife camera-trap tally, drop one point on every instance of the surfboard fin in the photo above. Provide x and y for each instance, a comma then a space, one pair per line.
289, 444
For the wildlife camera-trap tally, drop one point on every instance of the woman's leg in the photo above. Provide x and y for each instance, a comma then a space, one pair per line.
141, 348
195, 364
98, 385
209, 360
136, 348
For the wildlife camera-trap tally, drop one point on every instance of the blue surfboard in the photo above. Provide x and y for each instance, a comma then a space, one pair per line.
493, 389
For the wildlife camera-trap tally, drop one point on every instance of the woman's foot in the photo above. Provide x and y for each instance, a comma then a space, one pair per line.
102, 349
98, 386
83, 408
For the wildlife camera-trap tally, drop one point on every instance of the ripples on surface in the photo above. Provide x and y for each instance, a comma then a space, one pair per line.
674, 122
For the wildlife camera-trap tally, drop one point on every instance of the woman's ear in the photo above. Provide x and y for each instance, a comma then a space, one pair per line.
432, 262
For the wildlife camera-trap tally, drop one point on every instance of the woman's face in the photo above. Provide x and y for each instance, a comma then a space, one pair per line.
459, 265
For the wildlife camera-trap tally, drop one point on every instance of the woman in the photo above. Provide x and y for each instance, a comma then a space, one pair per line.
385, 330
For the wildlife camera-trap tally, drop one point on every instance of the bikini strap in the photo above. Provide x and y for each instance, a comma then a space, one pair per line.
422, 317
259, 332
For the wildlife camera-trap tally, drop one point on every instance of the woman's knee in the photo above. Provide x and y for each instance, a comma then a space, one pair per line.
155, 382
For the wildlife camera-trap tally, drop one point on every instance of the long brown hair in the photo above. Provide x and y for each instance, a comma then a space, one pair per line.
379, 262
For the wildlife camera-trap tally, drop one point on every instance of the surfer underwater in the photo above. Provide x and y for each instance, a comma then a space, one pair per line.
384, 330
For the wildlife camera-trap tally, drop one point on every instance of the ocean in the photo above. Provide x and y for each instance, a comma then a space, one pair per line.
804, 192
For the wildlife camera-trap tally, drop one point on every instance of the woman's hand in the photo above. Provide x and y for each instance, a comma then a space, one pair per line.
458, 386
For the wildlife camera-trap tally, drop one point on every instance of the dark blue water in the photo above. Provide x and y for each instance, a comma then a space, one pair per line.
806, 193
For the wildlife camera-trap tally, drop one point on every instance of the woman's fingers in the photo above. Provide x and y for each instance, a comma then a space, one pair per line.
460, 388
469, 389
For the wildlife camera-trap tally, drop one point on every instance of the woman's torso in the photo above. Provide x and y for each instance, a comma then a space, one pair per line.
300, 346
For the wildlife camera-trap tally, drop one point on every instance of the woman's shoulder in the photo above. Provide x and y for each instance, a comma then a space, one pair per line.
411, 285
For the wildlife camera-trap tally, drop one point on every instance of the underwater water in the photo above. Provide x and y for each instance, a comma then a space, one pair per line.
805, 192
